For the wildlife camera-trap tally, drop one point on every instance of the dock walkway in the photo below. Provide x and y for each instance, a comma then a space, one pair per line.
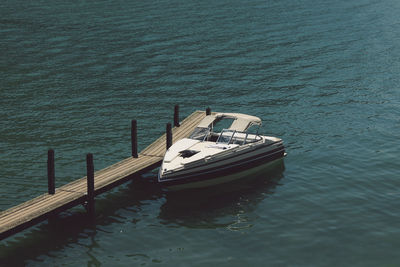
40, 208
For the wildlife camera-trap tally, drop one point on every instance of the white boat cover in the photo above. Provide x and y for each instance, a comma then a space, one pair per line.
241, 121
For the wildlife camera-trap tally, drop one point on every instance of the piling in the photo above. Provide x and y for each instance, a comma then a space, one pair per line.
134, 139
169, 135
176, 116
208, 111
50, 172
90, 184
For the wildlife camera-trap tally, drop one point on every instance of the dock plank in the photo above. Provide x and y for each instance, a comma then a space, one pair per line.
26, 214
158, 148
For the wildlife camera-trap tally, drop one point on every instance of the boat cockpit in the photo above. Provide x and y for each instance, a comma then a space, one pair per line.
237, 133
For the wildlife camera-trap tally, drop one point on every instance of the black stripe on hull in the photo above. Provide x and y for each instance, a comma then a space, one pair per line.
232, 168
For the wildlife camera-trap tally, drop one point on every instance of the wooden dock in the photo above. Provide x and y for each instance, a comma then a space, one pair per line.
77, 192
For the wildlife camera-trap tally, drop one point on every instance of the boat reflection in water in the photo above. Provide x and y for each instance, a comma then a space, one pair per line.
222, 205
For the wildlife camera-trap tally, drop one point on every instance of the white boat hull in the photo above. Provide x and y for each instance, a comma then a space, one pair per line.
208, 158
227, 178
221, 171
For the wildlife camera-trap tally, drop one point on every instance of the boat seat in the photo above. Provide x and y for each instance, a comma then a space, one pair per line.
212, 137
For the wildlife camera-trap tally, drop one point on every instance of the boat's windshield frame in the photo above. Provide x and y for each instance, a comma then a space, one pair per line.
222, 136
226, 136
225, 133
200, 133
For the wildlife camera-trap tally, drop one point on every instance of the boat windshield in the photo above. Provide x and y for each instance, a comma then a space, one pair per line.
235, 137
225, 137
200, 133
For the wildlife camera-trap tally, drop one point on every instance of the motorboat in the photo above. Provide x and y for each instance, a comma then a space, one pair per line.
213, 155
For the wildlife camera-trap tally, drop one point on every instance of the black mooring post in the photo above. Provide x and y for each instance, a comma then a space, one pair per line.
50, 172
208, 111
169, 135
90, 183
176, 116
134, 139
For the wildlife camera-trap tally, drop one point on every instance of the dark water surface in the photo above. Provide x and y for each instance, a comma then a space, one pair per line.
323, 75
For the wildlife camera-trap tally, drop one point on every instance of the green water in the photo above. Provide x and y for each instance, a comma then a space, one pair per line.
323, 76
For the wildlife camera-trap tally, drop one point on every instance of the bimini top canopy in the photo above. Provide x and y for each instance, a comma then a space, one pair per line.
241, 121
